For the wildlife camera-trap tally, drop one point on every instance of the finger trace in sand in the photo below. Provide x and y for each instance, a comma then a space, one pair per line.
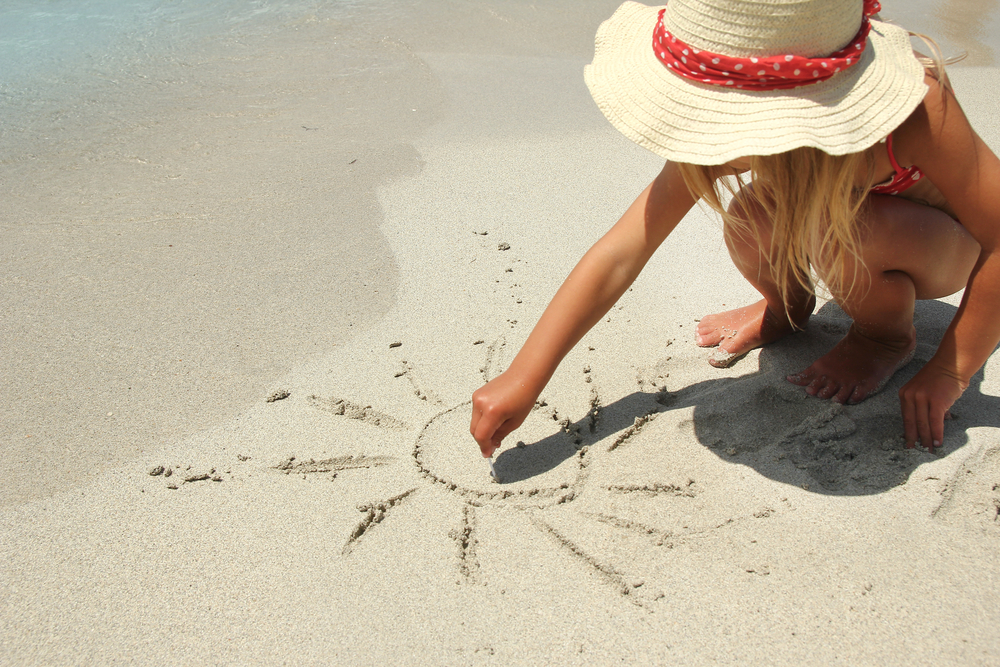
608, 573
633, 430
659, 537
548, 470
492, 365
334, 464
419, 390
375, 513
351, 410
972, 494
465, 537
658, 488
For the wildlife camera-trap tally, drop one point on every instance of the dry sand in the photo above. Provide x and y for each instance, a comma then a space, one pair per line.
317, 498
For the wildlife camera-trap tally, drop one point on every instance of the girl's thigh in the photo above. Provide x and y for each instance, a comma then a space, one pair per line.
923, 242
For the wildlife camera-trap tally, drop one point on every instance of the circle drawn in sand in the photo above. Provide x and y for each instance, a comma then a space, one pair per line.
544, 470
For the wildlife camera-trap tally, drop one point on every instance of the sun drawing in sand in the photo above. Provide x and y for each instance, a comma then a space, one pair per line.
547, 469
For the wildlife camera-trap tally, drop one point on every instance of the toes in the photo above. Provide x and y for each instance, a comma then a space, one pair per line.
818, 386
706, 341
707, 336
829, 390
722, 359
845, 394
859, 394
802, 378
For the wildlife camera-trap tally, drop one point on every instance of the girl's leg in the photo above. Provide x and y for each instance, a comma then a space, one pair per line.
738, 331
910, 252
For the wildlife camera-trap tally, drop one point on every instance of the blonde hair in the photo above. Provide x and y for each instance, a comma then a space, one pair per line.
813, 205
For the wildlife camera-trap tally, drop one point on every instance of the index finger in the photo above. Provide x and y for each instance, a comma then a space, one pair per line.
484, 432
936, 418
477, 414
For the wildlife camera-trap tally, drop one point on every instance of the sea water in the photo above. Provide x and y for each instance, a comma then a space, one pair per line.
55, 53
58, 41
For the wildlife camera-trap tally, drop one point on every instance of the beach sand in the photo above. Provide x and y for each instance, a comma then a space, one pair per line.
245, 319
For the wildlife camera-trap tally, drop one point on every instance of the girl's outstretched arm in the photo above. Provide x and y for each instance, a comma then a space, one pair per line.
597, 282
939, 140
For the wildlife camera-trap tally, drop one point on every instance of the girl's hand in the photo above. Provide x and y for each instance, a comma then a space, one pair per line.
498, 408
925, 401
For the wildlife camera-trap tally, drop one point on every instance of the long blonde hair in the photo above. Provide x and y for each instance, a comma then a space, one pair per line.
813, 204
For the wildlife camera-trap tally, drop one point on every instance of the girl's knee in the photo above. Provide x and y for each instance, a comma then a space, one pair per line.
749, 224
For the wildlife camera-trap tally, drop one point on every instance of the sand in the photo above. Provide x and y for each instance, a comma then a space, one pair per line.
238, 399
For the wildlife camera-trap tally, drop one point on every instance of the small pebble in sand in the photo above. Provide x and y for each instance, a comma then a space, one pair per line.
197, 478
503, 246
156, 471
395, 344
278, 395
482, 233
172, 486
479, 342
520, 444
168, 472
731, 451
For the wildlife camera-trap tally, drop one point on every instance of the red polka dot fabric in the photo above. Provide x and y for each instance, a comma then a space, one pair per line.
769, 73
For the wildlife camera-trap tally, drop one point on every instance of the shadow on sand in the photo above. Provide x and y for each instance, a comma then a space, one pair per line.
762, 421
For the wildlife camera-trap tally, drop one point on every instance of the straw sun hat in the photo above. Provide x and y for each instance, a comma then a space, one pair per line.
684, 119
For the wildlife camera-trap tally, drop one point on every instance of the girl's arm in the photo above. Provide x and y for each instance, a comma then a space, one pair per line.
597, 282
939, 139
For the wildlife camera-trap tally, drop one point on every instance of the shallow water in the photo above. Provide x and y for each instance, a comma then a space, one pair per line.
56, 39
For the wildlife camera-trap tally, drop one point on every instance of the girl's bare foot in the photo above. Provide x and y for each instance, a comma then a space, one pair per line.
738, 331
856, 368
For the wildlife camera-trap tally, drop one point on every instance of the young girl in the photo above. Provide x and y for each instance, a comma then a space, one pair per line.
844, 158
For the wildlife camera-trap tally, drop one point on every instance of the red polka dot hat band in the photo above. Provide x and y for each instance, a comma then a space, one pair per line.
757, 73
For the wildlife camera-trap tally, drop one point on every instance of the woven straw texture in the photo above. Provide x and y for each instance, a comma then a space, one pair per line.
685, 121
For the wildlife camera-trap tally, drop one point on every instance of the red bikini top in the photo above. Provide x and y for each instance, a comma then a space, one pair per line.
902, 179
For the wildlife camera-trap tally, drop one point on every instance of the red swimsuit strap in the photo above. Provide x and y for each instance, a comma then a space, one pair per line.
892, 156
902, 179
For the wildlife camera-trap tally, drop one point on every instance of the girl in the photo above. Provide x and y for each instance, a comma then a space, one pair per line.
860, 163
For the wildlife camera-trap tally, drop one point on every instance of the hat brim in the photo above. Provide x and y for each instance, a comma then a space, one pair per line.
698, 123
